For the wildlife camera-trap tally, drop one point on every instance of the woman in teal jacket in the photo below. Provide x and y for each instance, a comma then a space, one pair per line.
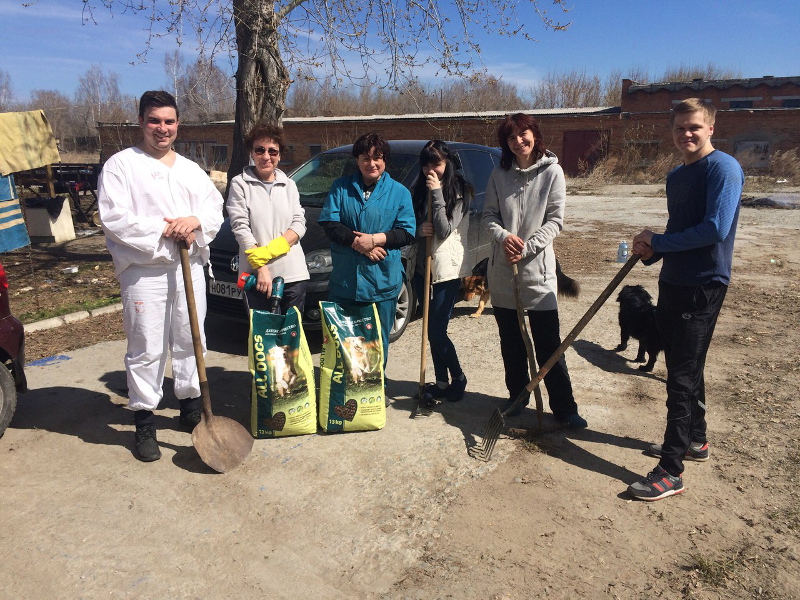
368, 217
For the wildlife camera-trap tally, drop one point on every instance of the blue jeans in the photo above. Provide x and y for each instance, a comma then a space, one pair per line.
443, 351
686, 318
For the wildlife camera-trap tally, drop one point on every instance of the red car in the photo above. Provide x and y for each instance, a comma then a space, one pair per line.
12, 357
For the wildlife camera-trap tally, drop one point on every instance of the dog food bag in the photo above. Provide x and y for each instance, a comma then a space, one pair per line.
351, 387
283, 395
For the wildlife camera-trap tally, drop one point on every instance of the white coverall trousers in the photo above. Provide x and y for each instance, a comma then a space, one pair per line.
156, 320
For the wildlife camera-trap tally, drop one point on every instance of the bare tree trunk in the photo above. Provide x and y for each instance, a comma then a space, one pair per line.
262, 79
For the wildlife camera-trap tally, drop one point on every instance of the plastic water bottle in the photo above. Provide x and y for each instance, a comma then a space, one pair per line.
622, 252
274, 301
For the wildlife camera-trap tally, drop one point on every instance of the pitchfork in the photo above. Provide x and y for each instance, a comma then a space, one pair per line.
497, 423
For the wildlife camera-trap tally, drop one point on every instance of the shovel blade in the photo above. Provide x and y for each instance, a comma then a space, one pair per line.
222, 443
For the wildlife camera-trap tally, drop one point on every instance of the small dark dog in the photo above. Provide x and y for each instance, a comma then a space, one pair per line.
637, 320
477, 284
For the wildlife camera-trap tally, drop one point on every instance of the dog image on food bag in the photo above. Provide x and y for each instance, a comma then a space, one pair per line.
284, 371
637, 320
477, 284
363, 357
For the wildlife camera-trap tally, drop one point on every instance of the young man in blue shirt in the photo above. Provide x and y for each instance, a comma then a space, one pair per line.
703, 199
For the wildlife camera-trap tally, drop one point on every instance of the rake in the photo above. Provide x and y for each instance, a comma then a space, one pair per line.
497, 423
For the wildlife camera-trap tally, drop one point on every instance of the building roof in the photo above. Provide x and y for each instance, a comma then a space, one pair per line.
494, 114
700, 84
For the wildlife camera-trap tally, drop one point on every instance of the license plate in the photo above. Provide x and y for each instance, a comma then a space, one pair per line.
224, 288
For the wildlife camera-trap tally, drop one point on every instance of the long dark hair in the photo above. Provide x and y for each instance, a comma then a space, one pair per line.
454, 186
522, 122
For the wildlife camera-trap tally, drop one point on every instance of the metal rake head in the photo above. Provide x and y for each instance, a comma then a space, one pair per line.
491, 434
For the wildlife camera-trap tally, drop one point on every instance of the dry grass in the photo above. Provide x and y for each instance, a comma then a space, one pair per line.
720, 571
630, 168
784, 170
634, 166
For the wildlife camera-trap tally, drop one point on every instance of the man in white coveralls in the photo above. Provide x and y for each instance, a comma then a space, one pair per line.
152, 200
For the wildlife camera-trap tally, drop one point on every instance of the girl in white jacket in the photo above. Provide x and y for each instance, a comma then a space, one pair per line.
452, 196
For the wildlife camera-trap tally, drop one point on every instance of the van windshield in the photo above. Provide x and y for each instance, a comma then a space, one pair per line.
315, 177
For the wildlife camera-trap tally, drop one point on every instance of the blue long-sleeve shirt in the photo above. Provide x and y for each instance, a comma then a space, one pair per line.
703, 200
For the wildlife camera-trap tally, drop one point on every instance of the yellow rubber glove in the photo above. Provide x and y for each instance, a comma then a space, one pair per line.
261, 255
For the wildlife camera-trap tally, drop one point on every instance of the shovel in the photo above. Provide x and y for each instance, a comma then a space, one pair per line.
496, 422
222, 443
523, 329
424, 404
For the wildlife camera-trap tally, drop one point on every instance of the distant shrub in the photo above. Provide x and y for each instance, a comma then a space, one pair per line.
783, 170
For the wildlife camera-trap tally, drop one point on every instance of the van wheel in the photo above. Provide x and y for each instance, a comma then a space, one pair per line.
8, 398
406, 303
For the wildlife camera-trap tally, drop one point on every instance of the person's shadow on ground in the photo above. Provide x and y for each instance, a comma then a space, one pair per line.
103, 418
472, 414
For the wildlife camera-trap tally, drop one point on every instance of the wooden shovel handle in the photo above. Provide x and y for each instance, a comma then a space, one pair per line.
523, 329
195, 328
583, 322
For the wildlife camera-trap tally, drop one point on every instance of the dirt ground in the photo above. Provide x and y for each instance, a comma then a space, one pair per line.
406, 513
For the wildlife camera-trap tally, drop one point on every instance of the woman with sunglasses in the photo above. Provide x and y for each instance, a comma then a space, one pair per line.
268, 221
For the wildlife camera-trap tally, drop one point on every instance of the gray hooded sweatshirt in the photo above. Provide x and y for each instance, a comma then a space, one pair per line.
530, 204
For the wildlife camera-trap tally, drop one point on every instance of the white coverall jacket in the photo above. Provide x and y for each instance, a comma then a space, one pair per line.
135, 193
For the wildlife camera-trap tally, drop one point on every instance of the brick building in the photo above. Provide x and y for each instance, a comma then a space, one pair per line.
755, 118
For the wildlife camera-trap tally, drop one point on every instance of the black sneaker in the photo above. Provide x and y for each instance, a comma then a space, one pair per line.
191, 419
432, 390
147, 449
657, 485
574, 422
190, 413
697, 452
518, 410
455, 392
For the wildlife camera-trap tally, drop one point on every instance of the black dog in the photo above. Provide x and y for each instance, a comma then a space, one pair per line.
637, 320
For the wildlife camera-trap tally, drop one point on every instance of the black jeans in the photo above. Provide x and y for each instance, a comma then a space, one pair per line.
686, 317
294, 294
544, 328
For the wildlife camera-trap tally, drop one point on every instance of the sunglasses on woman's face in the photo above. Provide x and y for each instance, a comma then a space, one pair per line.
271, 151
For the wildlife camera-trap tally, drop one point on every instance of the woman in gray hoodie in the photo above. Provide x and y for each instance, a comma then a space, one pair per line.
524, 212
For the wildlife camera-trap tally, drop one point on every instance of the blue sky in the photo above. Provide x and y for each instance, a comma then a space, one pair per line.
46, 46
